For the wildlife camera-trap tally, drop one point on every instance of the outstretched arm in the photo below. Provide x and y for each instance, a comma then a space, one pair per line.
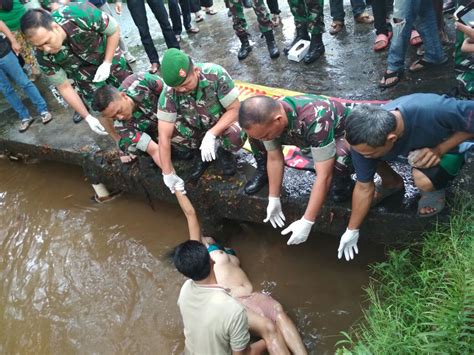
191, 216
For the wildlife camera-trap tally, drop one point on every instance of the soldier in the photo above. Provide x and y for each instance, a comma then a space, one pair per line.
308, 15
305, 121
77, 42
129, 113
199, 110
264, 22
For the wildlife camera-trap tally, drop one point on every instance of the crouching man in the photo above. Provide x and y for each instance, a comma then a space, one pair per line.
423, 129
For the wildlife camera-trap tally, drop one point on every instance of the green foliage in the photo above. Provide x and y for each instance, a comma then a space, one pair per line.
422, 298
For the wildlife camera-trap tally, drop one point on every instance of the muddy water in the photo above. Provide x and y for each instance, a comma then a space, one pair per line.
77, 277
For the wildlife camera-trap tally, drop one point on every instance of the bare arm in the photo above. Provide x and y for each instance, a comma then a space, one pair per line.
165, 130
324, 171
111, 45
72, 98
15, 46
275, 168
361, 201
109, 128
153, 150
191, 216
228, 118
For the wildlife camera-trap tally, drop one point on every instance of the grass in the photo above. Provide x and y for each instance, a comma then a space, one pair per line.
421, 301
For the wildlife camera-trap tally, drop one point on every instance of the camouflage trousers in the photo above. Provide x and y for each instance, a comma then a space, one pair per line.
119, 71
464, 65
309, 14
240, 23
134, 137
231, 140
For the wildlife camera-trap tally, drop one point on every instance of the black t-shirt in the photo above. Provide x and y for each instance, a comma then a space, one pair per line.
429, 119
4, 46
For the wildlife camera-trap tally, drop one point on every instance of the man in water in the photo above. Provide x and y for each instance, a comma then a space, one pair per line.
266, 317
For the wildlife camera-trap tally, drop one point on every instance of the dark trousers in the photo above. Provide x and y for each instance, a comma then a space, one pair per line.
273, 7
138, 12
196, 4
380, 9
175, 14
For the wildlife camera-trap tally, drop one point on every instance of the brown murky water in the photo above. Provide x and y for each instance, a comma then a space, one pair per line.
78, 277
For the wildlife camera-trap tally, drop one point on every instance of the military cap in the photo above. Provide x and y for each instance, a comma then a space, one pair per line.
175, 67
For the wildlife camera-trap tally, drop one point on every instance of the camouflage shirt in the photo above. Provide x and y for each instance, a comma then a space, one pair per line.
313, 121
84, 48
136, 133
202, 108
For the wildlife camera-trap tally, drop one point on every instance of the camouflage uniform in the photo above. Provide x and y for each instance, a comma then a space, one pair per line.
240, 23
316, 122
194, 114
308, 14
465, 67
84, 49
136, 133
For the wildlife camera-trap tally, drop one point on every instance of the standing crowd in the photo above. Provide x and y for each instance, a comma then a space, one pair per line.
192, 111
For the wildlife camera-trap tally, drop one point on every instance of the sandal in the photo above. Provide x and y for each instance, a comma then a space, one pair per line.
336, 27
211, 11
382, 41
154, 67
199, 18
384, 192
421, 64
192, 30
364, 18
435, 200
25, 124
396, 74
415, 38
46, 117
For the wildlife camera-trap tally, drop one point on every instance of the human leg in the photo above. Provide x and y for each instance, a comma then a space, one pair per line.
316, 28
337, 10
288, 330
186, 13
161, 15
298, 10
240, 27
10, 95
266, 26
175, 15
138, 13
267, 330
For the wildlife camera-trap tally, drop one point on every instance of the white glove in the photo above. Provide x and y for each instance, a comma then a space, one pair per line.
174, 183
208, 147
348, 244
300, 229
274, 213
102, 72
95, 125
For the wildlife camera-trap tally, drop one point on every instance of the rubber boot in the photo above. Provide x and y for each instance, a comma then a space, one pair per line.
316, 49
271, 45
247, 3
245, 48
227, 162
341, 189
199, 167
301, 33
259, 179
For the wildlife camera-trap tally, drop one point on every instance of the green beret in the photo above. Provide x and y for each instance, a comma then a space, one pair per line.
175, 67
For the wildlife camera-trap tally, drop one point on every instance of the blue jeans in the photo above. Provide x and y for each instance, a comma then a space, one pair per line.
426, 25
337, 9
10, 69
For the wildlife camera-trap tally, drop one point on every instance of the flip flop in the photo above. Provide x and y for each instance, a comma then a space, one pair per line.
384, 39
336, 27
434, 199
384, 192
396, 74
364, 18
415, 38
423, 64
154, 69
211, 12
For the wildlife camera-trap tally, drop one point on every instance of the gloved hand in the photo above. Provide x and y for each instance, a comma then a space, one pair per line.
208, 147
174, 183
300, 229
274, 213
95, 125
102, 72
348, 244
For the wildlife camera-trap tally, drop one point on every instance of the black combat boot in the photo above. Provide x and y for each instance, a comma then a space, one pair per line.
247, 3
260, 178
272, 47
227, 162
199, 167
301, 33
316, 49
245, 48
341, 189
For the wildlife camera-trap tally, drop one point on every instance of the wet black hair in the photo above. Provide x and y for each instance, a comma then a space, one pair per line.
369, 124
35, 18
103, 96
256, 110
192, 259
